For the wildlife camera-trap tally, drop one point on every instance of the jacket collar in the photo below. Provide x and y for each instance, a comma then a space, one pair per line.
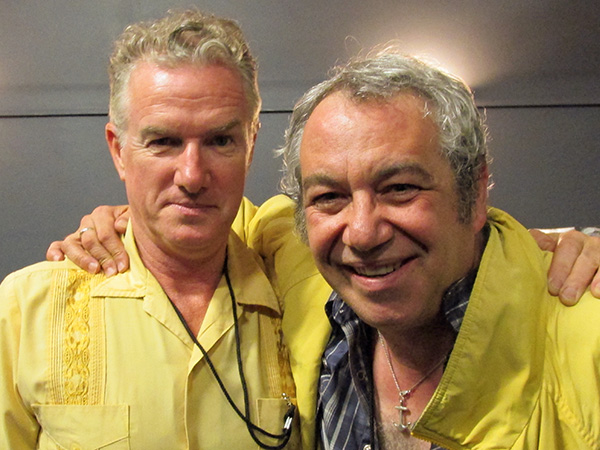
495, 371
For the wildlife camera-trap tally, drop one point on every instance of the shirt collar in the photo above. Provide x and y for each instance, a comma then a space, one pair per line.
250, 284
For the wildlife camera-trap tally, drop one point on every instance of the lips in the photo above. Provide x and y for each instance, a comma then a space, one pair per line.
192, 205
377, 271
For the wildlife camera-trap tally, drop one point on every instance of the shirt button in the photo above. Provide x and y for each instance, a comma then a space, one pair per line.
367, 447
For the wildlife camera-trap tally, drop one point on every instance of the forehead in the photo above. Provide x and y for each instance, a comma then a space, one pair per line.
190, 88
349, 133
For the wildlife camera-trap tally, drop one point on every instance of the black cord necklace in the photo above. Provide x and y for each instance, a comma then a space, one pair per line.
252, 428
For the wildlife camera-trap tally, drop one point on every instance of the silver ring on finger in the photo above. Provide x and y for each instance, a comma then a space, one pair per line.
83, 230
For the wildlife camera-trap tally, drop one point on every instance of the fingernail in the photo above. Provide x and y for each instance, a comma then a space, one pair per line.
110, 271
569, 294
552, 285
121, 266
93, 267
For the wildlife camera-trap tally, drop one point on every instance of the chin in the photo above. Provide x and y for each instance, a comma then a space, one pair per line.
385, 312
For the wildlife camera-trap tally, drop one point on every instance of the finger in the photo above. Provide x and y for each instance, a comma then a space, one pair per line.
108, 250
84, 249
595, 288
104, 242
546, 241
54, 253
122, 218
576, 284
584, 269
568, 249
71, 247
88, 242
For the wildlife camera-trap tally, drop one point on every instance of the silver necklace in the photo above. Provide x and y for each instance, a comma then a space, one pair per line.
404, 425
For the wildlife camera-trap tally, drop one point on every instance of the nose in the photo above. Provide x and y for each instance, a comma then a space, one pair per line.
192, 173
366, 226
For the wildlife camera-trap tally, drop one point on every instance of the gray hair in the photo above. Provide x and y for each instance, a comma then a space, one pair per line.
448, 100
186, 37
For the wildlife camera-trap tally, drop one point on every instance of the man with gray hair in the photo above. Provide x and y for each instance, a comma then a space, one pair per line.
443, 331
184, 350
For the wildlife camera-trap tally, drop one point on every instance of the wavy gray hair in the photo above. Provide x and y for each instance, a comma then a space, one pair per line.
185, 37
450, 102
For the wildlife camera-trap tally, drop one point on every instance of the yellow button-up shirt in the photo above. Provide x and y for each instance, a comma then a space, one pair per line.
93, 362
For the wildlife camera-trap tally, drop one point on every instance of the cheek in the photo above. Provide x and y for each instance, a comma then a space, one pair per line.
230, 174
427, 218
322, 233
147, 180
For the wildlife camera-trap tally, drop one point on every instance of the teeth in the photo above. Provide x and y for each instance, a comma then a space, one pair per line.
375, 271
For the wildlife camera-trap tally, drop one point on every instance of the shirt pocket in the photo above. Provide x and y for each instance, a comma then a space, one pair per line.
83, 427
271, 413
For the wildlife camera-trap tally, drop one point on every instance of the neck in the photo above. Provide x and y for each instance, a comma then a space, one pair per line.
406, 372
189, 281
419, 347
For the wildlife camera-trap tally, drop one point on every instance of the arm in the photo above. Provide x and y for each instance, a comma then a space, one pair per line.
18, 426
574, 266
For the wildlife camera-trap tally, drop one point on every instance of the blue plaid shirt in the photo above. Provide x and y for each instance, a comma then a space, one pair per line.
345, 405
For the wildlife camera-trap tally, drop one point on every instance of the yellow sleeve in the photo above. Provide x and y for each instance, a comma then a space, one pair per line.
18, 426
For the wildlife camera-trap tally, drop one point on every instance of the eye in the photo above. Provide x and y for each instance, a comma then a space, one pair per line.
221, 140
329, 202
164, 142
401, 191
401, 187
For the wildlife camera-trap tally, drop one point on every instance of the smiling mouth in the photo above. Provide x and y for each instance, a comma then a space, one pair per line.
380, 271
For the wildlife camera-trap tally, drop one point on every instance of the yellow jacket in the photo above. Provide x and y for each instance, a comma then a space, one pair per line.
524, 372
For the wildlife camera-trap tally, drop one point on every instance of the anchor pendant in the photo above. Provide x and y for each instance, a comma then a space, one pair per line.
404, 425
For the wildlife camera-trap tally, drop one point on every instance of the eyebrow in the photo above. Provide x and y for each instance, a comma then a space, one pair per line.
164, 131
404, 168
153, 131
318, 179
228, 126
323, 179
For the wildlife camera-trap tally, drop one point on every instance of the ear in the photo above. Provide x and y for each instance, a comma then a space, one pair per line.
114, 146
480, 207
251, 149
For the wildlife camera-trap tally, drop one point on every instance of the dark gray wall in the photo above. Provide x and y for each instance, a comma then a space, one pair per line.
534, 65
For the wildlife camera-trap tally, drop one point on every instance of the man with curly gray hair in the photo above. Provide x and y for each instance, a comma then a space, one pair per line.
462, 133
442, 329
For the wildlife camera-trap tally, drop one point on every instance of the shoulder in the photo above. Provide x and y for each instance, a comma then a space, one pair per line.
39, 270
33, 283
253, 221
577, 327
